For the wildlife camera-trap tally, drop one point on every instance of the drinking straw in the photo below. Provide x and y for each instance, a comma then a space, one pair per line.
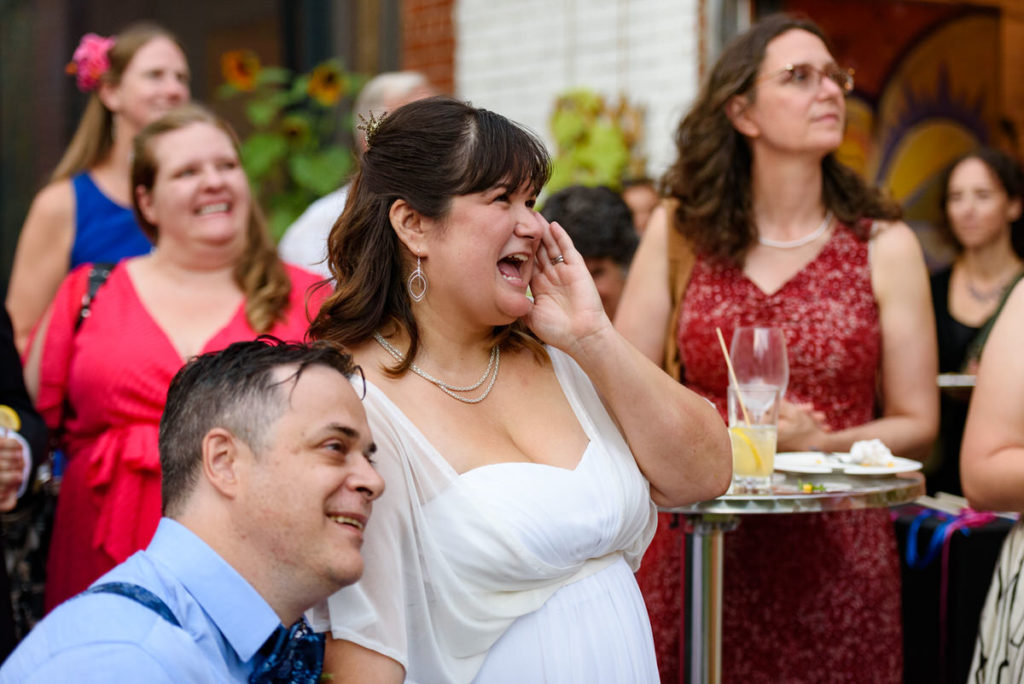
732, 374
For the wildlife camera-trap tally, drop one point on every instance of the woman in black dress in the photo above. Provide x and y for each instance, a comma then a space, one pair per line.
981, 199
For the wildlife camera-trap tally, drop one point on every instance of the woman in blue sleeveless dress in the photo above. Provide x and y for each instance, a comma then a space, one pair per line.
84, 213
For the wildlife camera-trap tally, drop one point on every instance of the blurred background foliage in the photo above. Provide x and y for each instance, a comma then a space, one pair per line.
598, 141
291, 155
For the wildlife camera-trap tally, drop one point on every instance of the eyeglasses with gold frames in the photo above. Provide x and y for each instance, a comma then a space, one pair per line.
808, 76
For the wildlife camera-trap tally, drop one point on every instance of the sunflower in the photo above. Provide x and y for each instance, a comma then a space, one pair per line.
240, 68
296, 130
326, 84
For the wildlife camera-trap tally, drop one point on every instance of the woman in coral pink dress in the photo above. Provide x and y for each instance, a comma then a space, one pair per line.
783, 235
214, 278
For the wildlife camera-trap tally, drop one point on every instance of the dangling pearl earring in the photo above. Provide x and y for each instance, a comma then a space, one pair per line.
417, 283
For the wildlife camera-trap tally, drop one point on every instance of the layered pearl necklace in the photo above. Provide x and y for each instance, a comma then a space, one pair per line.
799, 242
451, 390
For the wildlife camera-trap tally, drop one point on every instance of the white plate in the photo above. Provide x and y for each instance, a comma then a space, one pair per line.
816, 462
802, 462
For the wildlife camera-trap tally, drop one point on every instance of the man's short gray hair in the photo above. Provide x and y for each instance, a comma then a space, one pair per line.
381, 91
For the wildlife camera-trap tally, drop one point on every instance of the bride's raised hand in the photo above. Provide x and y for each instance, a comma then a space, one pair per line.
566, 305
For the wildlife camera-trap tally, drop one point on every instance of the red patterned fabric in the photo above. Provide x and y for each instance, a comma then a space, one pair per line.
115, 372
811, 597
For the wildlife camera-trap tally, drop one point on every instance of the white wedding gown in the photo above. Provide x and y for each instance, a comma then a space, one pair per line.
592, 630
511, 572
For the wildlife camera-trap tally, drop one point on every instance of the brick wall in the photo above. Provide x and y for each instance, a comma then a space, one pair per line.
428, 40
515, 57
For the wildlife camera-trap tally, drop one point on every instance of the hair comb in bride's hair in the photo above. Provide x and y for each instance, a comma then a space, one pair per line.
369, 126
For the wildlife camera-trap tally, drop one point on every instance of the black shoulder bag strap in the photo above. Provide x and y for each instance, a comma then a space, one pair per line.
98, 275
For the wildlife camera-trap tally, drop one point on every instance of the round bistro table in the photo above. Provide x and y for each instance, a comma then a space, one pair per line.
710, 520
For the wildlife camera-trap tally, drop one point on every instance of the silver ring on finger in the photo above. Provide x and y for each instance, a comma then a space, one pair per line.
557, 260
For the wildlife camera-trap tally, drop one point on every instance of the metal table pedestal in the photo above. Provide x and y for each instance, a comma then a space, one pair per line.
701, 657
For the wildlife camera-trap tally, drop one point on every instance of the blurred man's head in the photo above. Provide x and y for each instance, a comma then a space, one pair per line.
642, 197
387, 92
265, 455
601, 227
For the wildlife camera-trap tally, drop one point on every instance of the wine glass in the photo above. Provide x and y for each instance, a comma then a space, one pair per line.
759, 357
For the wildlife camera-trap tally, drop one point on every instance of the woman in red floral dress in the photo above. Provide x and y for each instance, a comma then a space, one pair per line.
785, 236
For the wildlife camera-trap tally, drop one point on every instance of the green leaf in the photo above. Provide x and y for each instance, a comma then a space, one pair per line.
282, 99
321, 172
261, 152
568, 127
586, 101
356, 82
226, 91
299, 86
262, 112
561, 176
278, 221
284, 208
606, 154
273, 76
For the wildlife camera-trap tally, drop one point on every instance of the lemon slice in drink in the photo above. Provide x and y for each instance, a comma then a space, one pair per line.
9, 418
750, 443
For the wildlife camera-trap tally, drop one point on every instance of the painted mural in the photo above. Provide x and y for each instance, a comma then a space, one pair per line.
927, 91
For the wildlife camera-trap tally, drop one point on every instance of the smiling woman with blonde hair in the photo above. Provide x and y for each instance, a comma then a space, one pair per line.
100, 377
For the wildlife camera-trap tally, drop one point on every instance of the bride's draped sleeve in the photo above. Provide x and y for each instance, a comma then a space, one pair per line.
444, 576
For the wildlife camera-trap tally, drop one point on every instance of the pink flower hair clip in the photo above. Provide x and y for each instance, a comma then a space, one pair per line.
90, 61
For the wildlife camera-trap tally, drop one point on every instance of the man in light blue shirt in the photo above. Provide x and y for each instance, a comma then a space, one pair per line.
267, 486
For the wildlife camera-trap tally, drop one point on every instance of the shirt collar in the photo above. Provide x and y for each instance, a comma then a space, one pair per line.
241, 614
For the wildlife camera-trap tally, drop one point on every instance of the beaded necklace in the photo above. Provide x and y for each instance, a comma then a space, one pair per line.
450, 390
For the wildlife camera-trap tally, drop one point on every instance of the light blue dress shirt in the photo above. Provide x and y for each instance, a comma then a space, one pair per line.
110, 638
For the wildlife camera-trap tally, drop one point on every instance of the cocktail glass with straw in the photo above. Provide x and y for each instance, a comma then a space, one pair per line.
753, 429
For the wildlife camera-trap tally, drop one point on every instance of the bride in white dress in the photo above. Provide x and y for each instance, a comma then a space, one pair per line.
523, 441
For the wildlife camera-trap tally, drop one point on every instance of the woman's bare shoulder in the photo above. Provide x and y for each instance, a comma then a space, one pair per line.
890, 231
54, 205
894, 241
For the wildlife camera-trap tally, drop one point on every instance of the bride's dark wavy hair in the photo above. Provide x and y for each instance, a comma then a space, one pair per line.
711, 175
426, 153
